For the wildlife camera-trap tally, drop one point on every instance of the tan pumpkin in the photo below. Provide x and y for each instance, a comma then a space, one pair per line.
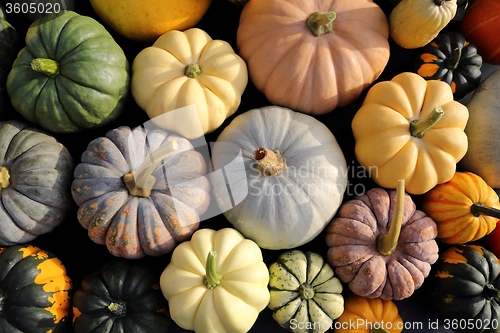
313, 55
380, 245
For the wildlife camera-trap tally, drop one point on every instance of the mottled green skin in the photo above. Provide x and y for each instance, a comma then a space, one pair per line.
9, 46
122, 297
45, 4
92, 85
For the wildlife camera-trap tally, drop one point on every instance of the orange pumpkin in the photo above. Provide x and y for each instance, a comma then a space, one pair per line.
313, 55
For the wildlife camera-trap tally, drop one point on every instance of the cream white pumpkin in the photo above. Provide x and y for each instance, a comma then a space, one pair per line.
188, 68
294, 180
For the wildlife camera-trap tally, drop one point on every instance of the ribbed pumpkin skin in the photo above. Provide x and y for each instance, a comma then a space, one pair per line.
452, 59
449, 205
134, 226
35, 292
37, 197
123, 296
91, 86
466, 286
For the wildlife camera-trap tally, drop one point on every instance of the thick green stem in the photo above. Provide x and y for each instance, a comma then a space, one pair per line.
453, 62
192, 70
320, 23
4, 178
387, 243
45, 66
212, 279
419, 127
269, 162
118, 308
306, 291
478, 209
141, 181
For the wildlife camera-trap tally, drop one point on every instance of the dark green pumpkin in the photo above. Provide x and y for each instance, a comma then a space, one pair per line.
467, 288
449, 58
35, 180
137, 213
71, 75
9, 47
34, 9
124, 296
35, 291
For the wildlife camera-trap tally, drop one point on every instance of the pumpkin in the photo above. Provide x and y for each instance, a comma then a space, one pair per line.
415, 23
465, 208
35, 179
9, 46
292, 179
34, 9
480, 25
305, 294
216, 282
35, 291
452, 59
409, 128
380, 245
146, 21
466, 288
482, 156
123, 296
140, 191
184, 68
313, 56
369, 315
71, 75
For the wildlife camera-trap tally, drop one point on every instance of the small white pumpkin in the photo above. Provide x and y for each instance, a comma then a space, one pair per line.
295, 176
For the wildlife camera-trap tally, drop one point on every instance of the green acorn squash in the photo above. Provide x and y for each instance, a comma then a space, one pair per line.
71, 75
9, 46
34, 9
35, 291
123, 296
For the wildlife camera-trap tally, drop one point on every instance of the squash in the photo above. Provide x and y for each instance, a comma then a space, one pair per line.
146, 21
292, 180
216, 282
380, 245
482, 156
71, 75
415, 23
452, 59
465, 208
409, 128
480, 25
369, 315
140, 191
35, 291
34, 9
9, 47
466, 288
122, 296
188, 68
305, 293
313, 56
35, 179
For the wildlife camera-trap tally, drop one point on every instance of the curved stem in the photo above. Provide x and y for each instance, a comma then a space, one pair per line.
453, 62
269, 162
419, 127
478, 208
320, 23
491, 292
387, 243
192, 70
45, 66
4, 178
212, 279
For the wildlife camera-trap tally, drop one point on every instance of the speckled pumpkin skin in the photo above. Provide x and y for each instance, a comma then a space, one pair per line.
352, 240
133, 226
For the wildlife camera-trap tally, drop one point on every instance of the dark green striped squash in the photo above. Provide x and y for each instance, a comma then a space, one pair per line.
123, 296
71, 75
35, 291
467, 288
452, 59
140, 191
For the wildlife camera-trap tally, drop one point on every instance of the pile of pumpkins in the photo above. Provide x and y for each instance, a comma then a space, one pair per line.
269, 216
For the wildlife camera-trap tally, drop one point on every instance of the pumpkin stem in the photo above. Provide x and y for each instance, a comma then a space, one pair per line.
478, 208
452, 63
192, 70
387, 243
141, 181
212, 279
306, 291
269, 162
321, 22
490, 292
118, 308
4, 178
45, 66
418, 127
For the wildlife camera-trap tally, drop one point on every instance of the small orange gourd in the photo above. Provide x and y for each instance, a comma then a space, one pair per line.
465, 208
